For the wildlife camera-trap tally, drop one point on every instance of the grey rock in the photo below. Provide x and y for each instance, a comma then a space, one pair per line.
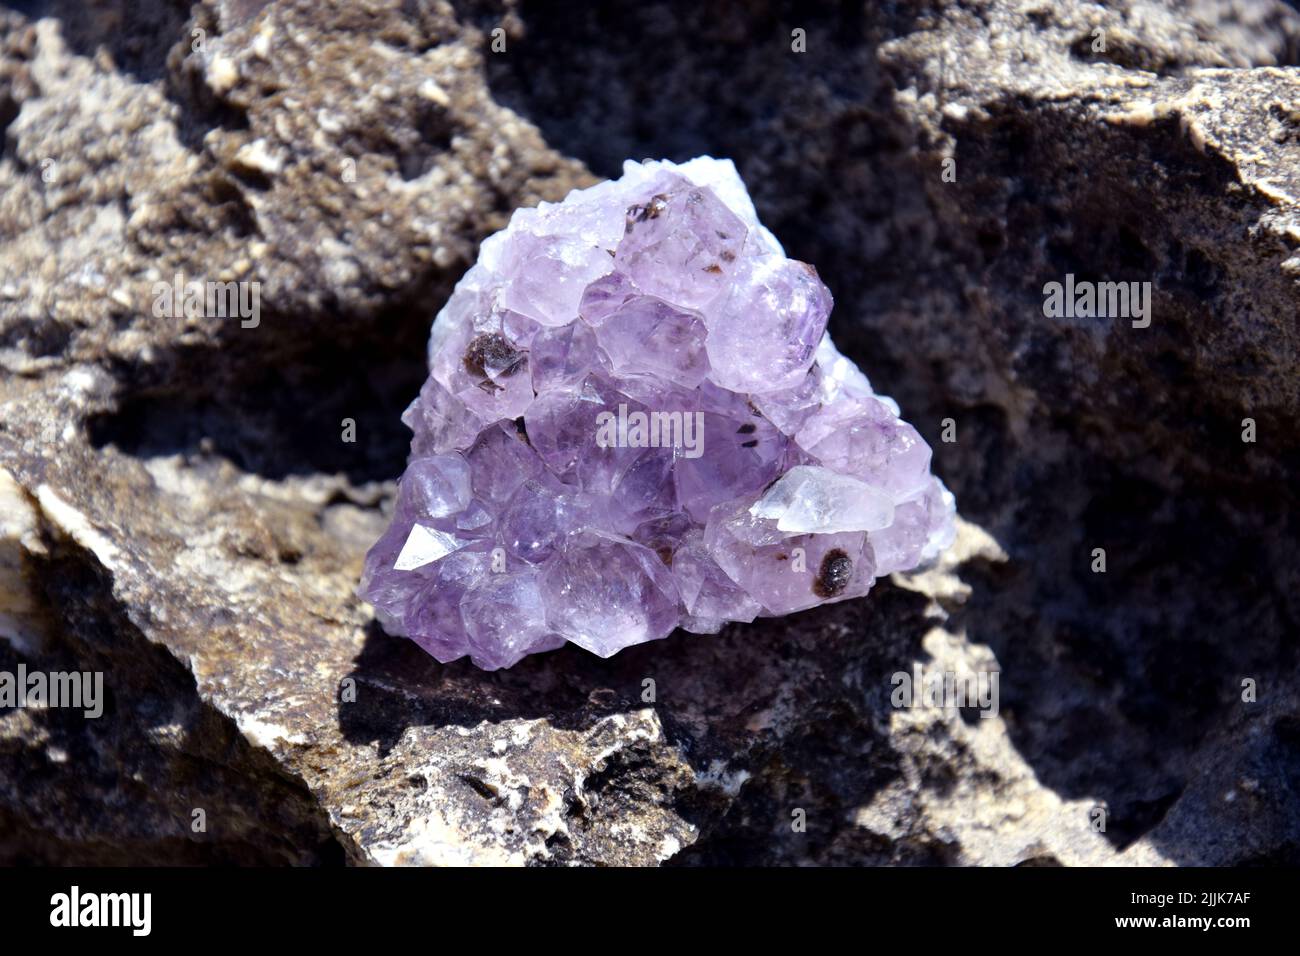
179, 510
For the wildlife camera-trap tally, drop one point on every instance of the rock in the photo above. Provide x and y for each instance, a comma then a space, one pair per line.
181, 508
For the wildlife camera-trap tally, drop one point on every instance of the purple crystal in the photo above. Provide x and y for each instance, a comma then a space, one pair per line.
636, 421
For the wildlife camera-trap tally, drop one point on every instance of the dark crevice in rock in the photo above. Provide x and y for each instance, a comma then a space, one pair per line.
1115, 684
9, 109
274, 403
136, 34
36, 337
121, 789
270, 423
200, 111
28, 8
16, 84
656, 109
1130, 56
404, 687
415, 144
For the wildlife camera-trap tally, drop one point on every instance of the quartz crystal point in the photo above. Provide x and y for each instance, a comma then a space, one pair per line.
635, 421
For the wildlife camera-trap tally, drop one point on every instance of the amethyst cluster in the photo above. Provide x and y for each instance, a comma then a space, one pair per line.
635, 421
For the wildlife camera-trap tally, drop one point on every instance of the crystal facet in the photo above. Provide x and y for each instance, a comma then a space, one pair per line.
635, 421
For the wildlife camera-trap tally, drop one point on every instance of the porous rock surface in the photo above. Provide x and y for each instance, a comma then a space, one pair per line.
178, 507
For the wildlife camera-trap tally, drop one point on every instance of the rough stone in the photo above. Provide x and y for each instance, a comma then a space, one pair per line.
167, 519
